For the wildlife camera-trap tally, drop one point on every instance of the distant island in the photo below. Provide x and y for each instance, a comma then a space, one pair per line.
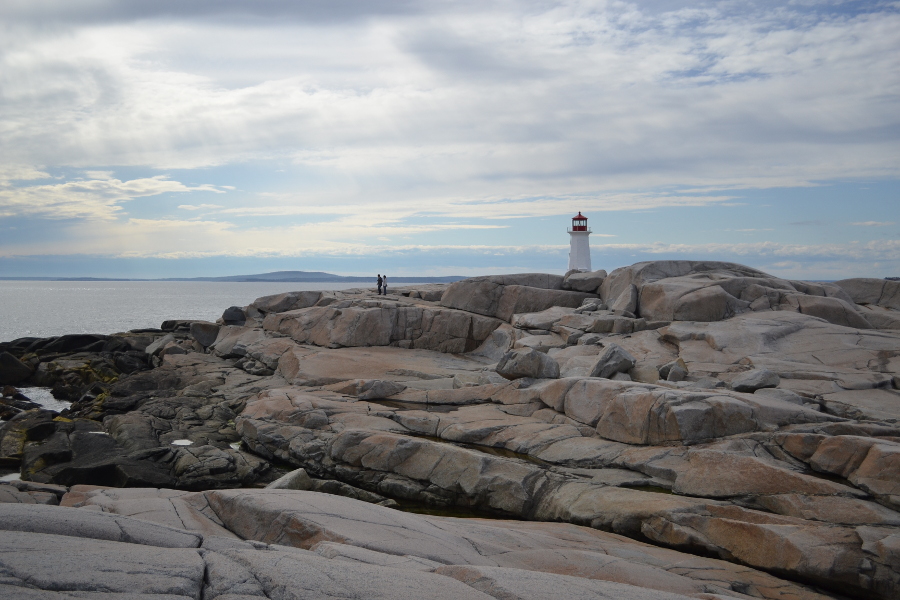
274, 277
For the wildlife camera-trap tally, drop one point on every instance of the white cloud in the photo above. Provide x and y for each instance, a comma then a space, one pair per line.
199, 206
10, 173
90, 199
564, 97
401, 118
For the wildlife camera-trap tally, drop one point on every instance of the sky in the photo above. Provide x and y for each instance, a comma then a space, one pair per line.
224, 137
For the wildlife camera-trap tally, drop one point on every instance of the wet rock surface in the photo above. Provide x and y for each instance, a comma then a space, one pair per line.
737, 430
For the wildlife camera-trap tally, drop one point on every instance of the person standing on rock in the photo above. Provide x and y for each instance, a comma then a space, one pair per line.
379, 284
384, 289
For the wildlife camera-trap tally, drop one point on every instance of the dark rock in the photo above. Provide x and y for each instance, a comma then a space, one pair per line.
129, 362
204, 333
18, 346
116, 344
11, 406
80, 452
12, 370
614, 360
179, 325
32, 425
234, 315
145, 381
76, 343
208, 467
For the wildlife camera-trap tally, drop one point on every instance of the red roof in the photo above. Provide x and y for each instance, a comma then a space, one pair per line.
580, 216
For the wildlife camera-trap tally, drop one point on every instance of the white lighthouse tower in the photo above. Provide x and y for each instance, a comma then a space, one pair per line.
580, 248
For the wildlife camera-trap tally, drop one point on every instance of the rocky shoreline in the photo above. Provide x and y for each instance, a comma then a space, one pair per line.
671, 429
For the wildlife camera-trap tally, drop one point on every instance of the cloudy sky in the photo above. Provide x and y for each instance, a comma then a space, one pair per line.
219, 137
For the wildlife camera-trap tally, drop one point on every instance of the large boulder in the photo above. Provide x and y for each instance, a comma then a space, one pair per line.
205, 334
833, 310
681, 299
713, 291
383, 323
527, 362
756, 379
287, 301
614, 359
502, 296
636, 413
12, 370
581, 281
880, 292
234, 315
75, 343
849, 369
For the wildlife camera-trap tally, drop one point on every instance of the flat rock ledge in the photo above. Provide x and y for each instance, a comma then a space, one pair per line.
673, 429
158, 544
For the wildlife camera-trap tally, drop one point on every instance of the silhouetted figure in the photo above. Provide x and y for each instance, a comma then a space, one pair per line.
380, 282
384, 282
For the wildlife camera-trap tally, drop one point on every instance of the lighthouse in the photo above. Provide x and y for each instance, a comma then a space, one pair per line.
579, 246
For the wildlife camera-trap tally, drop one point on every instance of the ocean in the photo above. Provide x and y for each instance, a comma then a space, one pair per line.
49, 308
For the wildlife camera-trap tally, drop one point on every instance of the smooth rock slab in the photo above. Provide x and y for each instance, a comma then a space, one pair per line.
62, 563
72, 522
516, 584
303, 519
829, 555
291, 575
15, 592
716, 474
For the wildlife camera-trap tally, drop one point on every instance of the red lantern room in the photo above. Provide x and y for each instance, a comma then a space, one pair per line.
579, 222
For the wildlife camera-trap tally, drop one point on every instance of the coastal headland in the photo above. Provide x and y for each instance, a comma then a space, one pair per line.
670, 430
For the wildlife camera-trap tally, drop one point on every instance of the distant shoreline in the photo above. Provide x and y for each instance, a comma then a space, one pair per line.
254, 279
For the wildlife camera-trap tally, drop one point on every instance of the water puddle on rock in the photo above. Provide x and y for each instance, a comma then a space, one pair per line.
44, 397
181, 443
458, 512
648, 488
504, 453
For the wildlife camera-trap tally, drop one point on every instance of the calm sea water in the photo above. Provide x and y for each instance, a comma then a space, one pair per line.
48, 308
